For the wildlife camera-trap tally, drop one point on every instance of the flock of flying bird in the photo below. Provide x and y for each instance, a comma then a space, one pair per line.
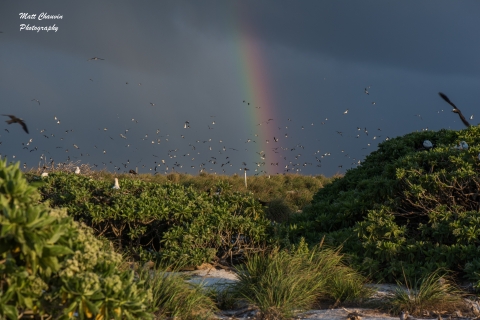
217, 163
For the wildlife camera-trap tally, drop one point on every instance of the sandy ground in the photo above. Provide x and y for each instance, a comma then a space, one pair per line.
219, 278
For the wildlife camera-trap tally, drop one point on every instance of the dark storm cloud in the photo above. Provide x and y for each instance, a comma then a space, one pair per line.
143, 36
316, 58
427, 36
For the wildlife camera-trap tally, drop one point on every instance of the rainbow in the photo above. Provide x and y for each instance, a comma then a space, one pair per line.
254, 74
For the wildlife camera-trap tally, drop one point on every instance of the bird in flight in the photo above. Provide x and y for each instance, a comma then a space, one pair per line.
95, 58
36, 100
455, 109
14, 119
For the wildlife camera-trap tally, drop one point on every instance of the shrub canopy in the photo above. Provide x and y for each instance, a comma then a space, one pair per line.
404, 208
51, 265
167, 222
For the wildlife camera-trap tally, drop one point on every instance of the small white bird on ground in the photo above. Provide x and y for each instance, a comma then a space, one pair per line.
427, 144
116, 186
44, 174
77, 170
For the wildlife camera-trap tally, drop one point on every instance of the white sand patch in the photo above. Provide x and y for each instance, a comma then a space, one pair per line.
212, 278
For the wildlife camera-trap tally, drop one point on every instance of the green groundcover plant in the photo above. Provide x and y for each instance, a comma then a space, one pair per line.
52, 266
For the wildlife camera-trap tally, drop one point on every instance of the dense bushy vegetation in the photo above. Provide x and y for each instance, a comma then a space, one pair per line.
293, 191
53, 267
405, 209
164, 222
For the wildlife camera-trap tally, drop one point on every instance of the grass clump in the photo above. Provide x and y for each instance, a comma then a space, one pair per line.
434, 291
347, 285
174, 298
280, 283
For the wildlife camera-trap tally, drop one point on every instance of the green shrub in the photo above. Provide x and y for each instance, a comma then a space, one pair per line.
176, 224
50, 265
404, 209
264, 187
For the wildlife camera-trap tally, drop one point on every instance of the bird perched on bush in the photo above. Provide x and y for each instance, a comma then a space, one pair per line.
427, 144
116, 185
462, 146
77, 170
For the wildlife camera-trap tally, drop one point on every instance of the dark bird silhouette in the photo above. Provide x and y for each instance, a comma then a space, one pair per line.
95, 58
455, 109
14, 119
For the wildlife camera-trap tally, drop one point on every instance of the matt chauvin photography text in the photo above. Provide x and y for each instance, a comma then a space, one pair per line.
41, 16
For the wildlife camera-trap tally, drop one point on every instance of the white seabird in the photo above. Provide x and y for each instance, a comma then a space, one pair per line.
44, 174
77, 170
461, 146
116, 186
427, 144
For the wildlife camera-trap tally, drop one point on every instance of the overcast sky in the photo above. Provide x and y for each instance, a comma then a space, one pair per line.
298, 65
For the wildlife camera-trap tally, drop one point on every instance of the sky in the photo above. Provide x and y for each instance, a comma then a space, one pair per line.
271, 86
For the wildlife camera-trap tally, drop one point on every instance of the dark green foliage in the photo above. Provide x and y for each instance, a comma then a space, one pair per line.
404, 208
178, 224
278, 211
53, 267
